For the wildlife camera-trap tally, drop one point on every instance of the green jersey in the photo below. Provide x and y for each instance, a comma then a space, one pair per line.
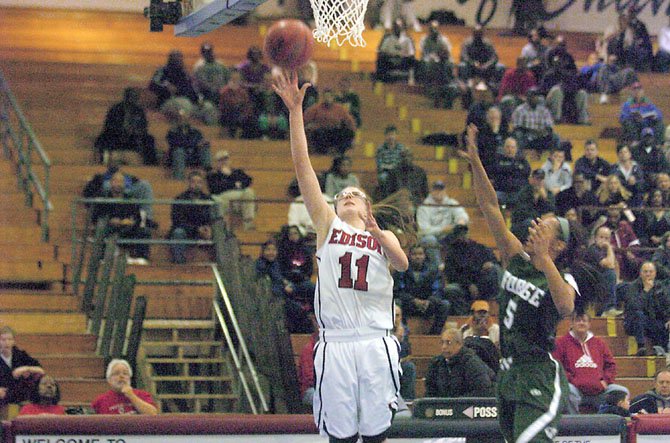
528, 317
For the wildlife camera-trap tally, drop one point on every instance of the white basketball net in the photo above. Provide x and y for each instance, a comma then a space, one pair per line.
339, 20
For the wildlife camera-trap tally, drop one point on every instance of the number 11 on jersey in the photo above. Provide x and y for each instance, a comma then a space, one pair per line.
345, 281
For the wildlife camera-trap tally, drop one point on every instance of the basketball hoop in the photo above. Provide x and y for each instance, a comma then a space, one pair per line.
339, 20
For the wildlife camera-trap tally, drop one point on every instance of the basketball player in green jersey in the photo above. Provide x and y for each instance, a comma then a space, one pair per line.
534, 296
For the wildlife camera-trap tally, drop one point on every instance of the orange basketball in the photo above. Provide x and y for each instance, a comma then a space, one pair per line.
289, 44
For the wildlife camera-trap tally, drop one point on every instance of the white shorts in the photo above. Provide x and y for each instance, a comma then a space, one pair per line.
357, 386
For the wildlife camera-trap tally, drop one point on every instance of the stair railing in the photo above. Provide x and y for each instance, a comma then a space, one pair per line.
20, 144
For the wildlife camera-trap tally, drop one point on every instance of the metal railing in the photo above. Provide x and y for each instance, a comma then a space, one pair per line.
20, 144
222, 295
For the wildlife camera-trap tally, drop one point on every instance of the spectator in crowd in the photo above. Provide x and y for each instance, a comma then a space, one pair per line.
407, 176
661, 257
126, 128
135, 188
647, 312
532, 200
600, 254
17, 370
617, 403
175, 92
209, 74
630, 174
436, 217
557, 172
395, 55
188, 147
637, 113
408, 377
611, 78
347, 97
648, 155
122, 398
593, 167
567, 98
228, 185
662, 58
663, 185
477, 101
44, 398
492, 137
124, 219
482, 334
419, 290
514, 86
625, 243
458, 371
533, 52
588, 364
470, 271
388, 155
509, 172
576, 196
191, 222
253, 69
656, 400
479, 60
296, 309
306, 368
533, 125
393, 10
340, 176
589, 72
297, 212
269, 115
295, 256
236, 107
172, 80
330, 128
631, 43
436, 68
652, 224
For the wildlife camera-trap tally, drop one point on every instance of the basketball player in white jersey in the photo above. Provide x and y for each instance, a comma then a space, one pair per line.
356, 360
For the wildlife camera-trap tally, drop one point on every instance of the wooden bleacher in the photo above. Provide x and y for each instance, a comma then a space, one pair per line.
66, 69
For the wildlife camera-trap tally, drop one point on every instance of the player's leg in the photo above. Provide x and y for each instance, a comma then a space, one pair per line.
506, 403
541, 395
336, 390
379, 384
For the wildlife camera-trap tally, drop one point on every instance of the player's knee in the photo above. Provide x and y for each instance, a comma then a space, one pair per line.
352, 439
379, 438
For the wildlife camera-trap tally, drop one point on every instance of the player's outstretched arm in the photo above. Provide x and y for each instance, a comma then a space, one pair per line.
540, 236
387, 240
286, 86
507, 243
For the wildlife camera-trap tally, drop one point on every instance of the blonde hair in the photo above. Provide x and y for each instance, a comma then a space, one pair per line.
114, 362
603, 192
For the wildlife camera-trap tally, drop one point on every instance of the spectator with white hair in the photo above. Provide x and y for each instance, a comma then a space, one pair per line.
122, 398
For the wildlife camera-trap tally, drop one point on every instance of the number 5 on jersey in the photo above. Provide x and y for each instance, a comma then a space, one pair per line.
361, 282
509, 314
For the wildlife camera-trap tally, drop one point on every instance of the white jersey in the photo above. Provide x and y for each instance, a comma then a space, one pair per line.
354, 290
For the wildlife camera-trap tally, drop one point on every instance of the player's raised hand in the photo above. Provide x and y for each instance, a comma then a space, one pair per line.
370, 222
540, 234
471, 150
286, 86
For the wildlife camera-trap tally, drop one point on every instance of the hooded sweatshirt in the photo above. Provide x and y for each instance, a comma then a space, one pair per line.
586, 364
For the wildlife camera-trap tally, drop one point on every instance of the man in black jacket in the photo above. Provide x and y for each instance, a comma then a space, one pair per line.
16, 369
657, 400
458, 371
227, 184
190, 221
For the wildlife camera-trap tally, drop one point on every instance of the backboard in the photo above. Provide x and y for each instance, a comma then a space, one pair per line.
201, 16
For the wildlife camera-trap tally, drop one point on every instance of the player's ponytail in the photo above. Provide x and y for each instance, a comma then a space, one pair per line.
396, 213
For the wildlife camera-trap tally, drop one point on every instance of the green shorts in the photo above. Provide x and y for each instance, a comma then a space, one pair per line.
531, 397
